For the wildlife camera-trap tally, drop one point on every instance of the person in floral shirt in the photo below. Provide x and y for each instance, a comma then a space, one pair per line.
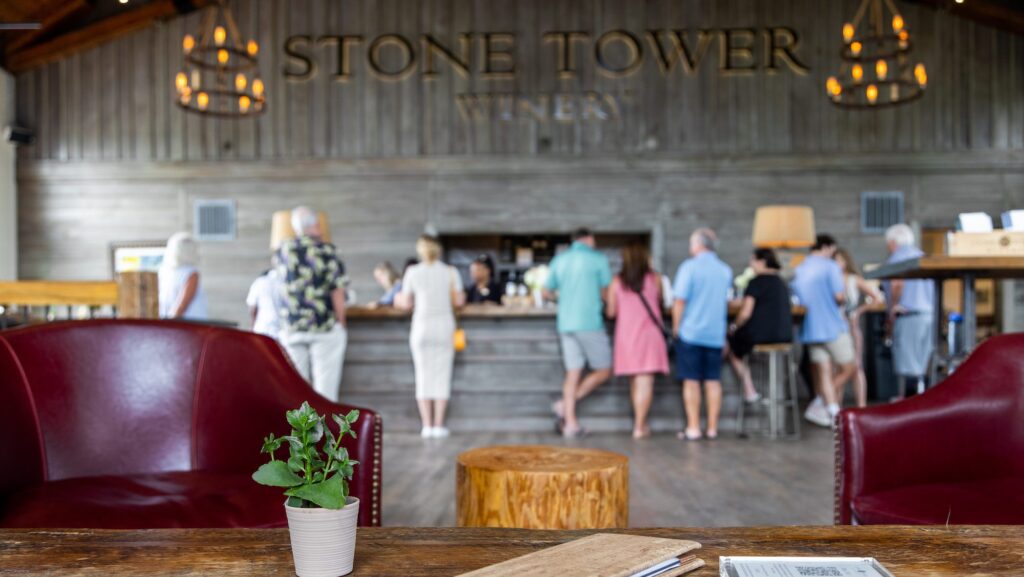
314, 328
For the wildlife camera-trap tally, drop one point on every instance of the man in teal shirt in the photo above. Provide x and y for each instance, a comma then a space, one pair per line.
580, 277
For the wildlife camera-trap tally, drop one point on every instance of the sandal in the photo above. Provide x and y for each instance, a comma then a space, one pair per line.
578, 433
688, 436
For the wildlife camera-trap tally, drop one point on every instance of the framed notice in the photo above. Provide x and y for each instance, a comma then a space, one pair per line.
142, 256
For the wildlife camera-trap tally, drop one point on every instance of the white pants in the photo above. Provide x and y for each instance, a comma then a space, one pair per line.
433, 353
319, 358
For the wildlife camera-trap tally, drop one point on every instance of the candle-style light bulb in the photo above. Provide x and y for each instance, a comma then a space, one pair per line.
921, 75
203, 100
196, 77
872, 93
857, 73
243, 103
186, 96
240, 82
187, 44
253, 48
847, 32
222, 56
831, 85
897, 23
257, 87
181, 81
220, 35
881, 69
855, 48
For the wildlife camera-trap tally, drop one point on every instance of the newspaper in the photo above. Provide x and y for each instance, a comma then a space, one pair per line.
801, 567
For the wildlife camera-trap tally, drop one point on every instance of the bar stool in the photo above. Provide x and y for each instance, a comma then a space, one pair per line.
779, 403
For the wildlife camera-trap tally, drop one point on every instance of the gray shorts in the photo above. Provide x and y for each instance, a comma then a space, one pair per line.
584, 348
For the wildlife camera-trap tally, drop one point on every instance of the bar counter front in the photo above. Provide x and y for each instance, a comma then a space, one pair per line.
505, 379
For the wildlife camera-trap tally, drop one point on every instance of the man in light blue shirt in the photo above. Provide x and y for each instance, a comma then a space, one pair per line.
580, 277
819, 286
699, 318
911, 306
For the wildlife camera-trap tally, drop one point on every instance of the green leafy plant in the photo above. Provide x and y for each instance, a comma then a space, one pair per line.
313, 477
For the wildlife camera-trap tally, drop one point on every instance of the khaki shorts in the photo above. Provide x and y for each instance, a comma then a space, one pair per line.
840, 350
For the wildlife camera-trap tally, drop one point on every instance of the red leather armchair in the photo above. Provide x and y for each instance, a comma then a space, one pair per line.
953, 454
147, 424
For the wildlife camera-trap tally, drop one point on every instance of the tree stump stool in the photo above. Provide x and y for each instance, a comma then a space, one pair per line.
538, 487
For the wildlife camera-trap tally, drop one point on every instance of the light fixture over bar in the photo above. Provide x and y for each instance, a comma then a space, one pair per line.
876, 69
220, 76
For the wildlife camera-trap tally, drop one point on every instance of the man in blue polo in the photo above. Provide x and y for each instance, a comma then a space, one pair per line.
818, 284
699, 318
578, 279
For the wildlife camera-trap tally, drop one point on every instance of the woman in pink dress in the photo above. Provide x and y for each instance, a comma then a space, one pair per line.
634, 300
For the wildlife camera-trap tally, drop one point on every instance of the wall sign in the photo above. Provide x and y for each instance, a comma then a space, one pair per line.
494, 57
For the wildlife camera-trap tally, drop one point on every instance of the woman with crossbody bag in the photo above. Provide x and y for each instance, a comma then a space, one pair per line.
641, 350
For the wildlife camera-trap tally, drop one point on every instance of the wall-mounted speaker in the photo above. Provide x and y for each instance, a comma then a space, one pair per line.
18, 135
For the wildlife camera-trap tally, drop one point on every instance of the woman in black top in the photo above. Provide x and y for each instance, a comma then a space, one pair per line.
765, 317
482, 288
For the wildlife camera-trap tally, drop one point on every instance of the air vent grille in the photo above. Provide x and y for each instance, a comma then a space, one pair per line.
214, 219
880, 210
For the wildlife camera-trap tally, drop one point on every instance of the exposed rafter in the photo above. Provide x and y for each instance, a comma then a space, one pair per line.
987, 12
33, 55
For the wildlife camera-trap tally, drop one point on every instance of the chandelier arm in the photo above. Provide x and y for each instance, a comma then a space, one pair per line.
860, 13
207, 26
892, 7
236, 36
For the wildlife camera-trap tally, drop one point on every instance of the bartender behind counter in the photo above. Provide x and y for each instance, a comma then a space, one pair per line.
483, 288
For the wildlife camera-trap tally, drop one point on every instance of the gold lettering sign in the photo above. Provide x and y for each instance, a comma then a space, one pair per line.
493, 57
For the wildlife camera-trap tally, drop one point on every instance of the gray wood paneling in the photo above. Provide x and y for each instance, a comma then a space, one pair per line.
70, 212
114, 99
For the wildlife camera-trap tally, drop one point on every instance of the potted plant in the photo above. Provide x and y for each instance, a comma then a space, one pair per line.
321, 514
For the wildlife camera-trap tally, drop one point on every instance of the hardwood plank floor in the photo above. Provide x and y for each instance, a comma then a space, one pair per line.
726, 482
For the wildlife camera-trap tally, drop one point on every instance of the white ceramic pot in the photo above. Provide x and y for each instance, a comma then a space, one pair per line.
323, 540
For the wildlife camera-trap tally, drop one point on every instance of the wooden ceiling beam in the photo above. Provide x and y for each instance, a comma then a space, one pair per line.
994, 15
65, 12
94, 34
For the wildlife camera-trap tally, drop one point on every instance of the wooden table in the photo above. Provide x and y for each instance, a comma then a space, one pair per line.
437, 552
966, 268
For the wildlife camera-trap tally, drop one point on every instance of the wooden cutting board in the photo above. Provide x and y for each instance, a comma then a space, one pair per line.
600, 555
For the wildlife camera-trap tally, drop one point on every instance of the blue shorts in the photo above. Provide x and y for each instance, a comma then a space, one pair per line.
698, 363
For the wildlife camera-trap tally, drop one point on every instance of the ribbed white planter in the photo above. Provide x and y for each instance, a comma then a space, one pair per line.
323, 540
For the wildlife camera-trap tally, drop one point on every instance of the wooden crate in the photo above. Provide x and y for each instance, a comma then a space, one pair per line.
996, 243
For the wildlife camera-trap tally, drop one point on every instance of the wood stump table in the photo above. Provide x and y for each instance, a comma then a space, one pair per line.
539, 487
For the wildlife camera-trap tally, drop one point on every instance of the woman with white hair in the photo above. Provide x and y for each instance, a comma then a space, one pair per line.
181, 293
432, 289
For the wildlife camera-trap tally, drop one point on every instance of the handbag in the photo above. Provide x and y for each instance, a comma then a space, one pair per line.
459, 337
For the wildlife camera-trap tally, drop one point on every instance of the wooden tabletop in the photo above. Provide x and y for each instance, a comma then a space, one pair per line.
437, 552
951, 267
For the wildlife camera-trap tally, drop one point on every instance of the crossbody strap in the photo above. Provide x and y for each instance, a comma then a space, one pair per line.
654, 317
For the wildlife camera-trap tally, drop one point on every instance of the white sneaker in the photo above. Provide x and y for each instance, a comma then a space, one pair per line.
427, 432
818, 415
441, 432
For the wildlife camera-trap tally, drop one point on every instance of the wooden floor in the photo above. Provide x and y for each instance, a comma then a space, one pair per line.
726, 482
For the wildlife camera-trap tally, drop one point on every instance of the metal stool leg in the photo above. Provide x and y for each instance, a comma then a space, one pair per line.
794, 397
773, 395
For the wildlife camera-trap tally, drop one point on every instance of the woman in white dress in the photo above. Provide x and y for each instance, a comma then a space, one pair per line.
181, 292
433, 290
